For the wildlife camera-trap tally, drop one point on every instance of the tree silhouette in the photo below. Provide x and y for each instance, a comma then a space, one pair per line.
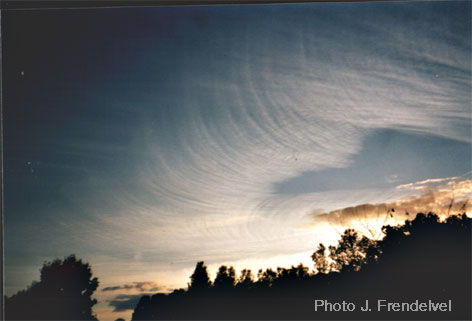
246, 279
225, 278
267, 277
320, 259
63, 293
199, 280
424, 259
350, 254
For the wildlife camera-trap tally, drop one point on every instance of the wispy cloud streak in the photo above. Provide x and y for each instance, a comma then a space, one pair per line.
261, 105
136, 286
180, 147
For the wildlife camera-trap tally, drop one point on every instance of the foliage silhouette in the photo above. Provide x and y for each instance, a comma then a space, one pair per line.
351, 253
320, 259
246, 279
424, 259
64, 292
200, 280
225, 278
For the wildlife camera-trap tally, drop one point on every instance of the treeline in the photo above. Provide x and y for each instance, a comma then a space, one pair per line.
423, 260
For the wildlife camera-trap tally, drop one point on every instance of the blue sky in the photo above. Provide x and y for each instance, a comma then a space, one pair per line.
145, 139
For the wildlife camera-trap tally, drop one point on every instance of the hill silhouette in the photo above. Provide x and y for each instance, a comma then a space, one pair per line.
423, 263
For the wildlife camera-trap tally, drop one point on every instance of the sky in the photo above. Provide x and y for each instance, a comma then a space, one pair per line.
144, 140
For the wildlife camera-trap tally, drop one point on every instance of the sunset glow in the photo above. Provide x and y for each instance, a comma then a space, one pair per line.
145, 140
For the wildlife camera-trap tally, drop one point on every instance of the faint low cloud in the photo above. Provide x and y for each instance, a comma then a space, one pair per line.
426, 183
124, 302
392, 178
449, 198
139, 286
